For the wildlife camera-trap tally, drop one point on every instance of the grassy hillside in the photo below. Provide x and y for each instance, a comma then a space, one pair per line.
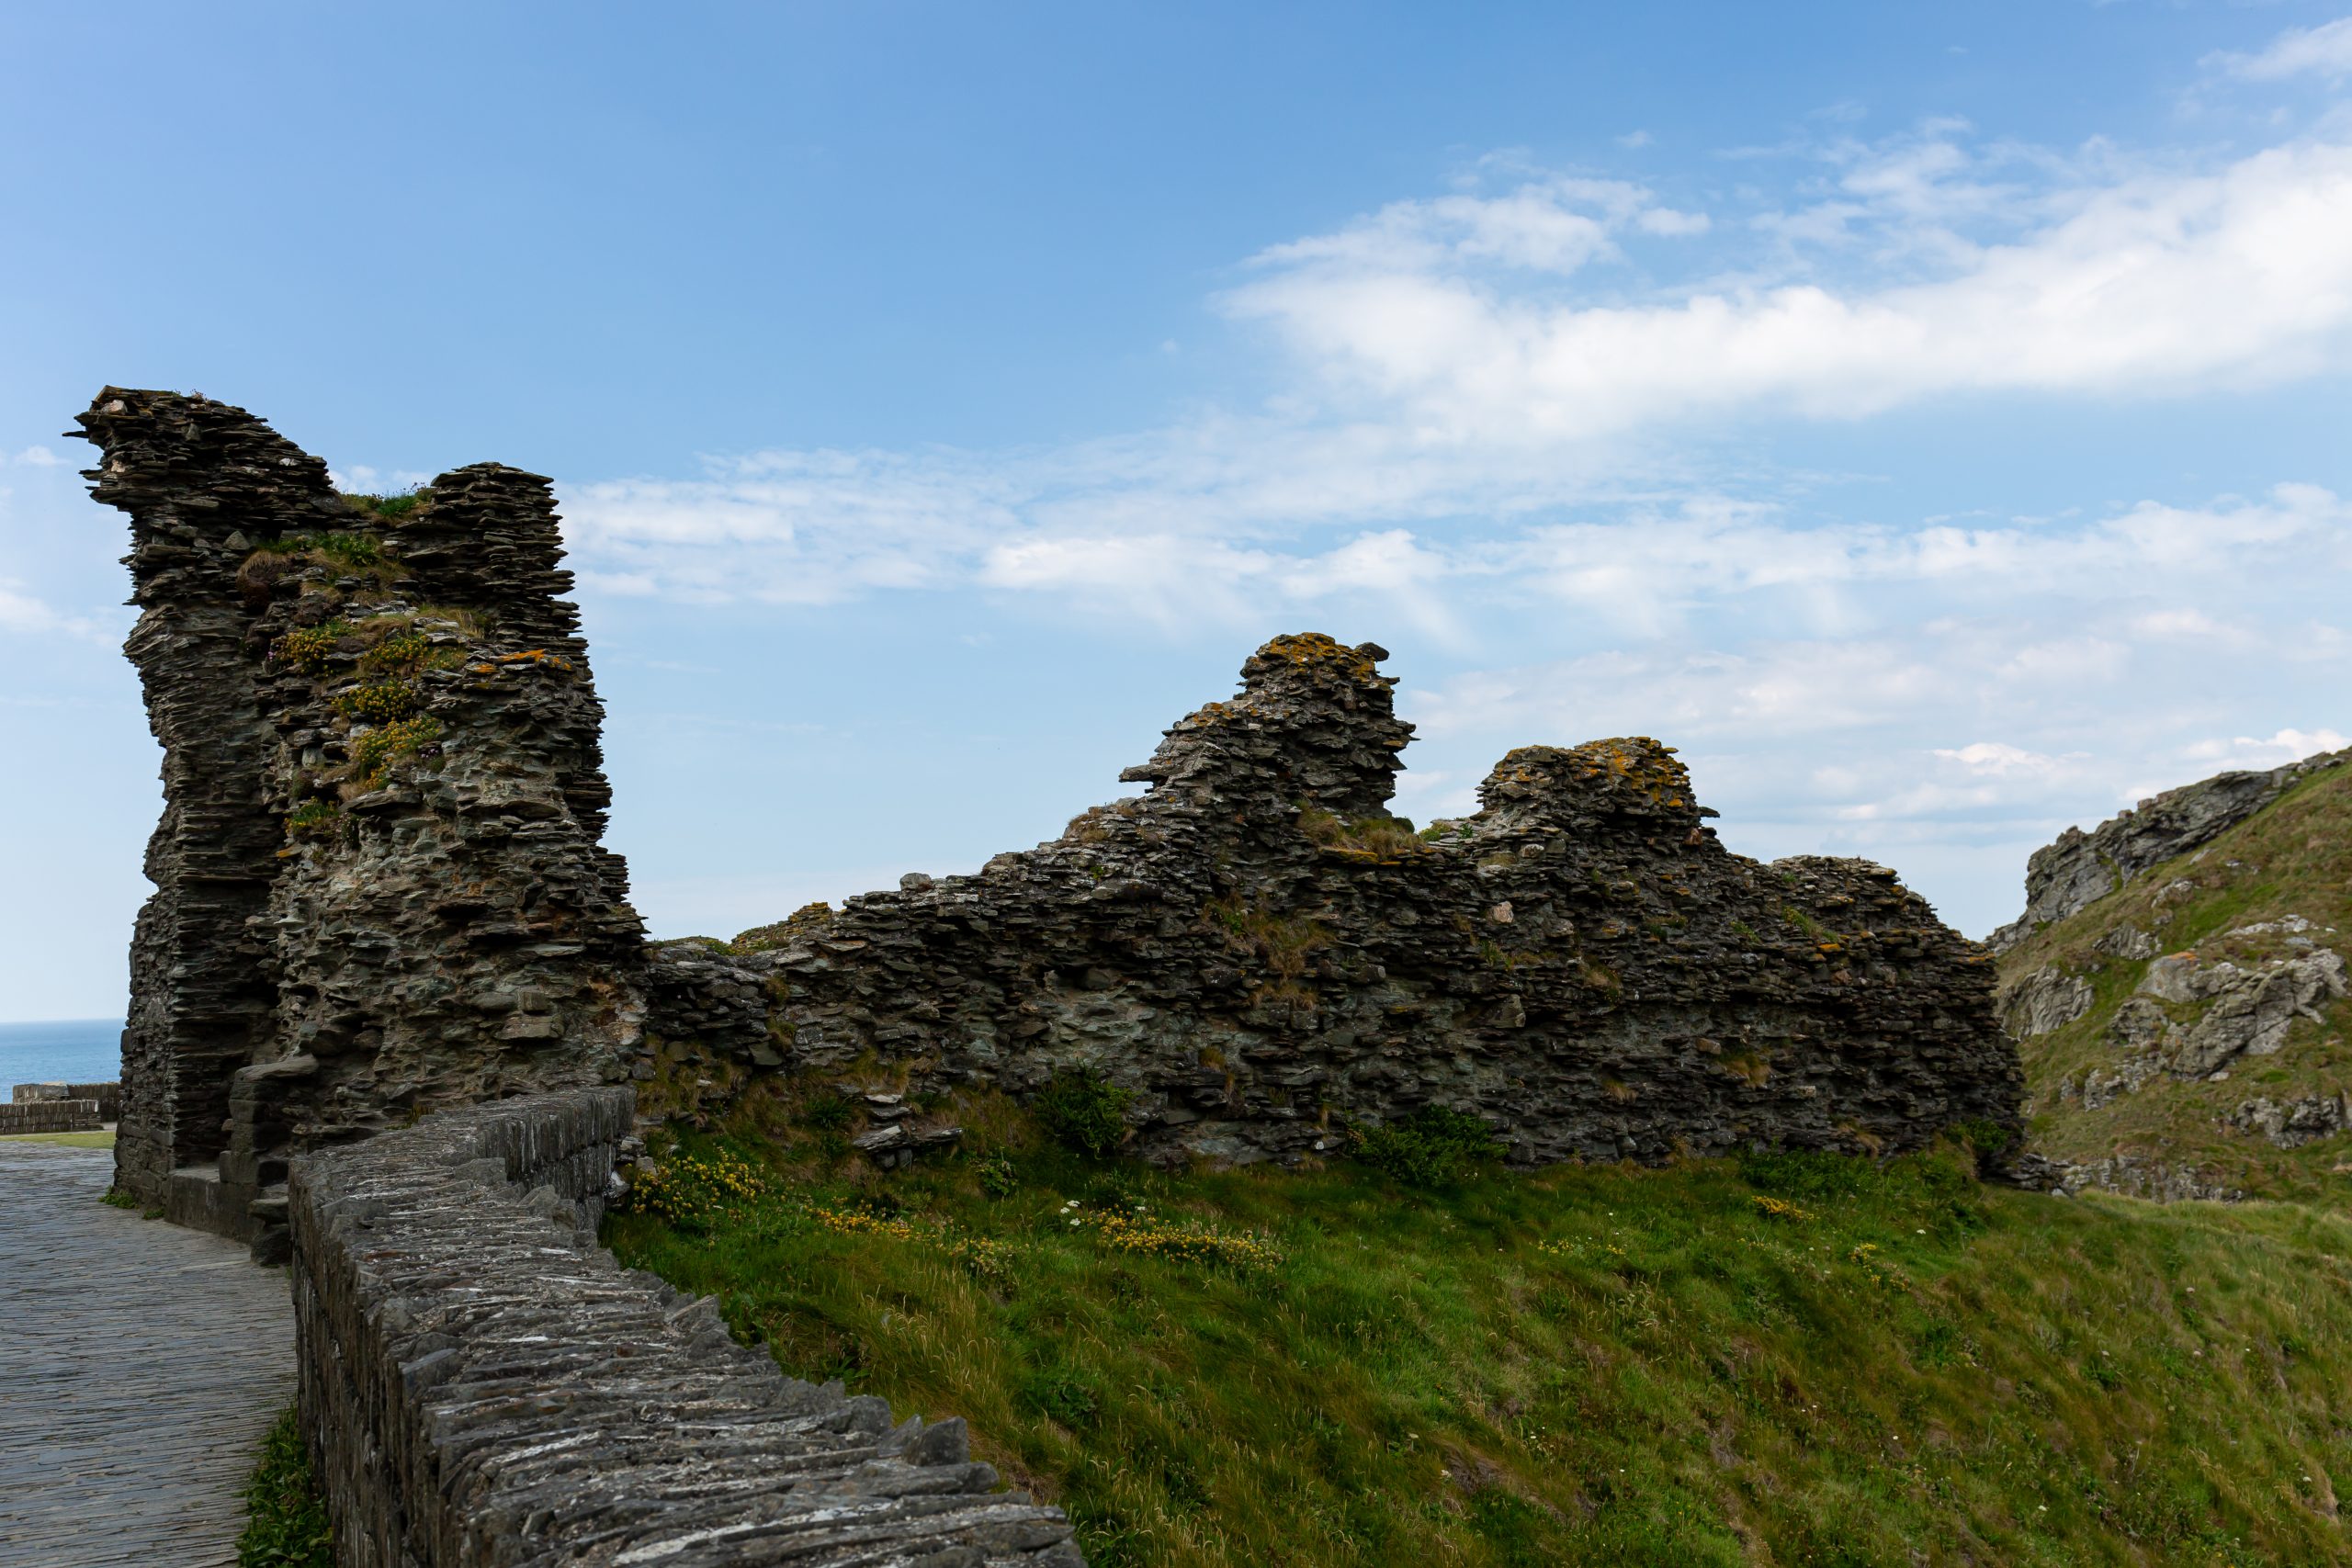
2289, 864
1786, 1360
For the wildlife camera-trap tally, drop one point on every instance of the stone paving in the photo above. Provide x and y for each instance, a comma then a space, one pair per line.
140, 1366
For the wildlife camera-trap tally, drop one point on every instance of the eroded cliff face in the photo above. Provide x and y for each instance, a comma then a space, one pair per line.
380, 882
1263, 955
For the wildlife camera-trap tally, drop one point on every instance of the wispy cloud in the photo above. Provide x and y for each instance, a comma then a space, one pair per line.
23, 614
2154, 284
2324, 51
1487, 377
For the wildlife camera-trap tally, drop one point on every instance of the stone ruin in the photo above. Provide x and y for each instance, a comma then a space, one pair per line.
1265, 957
380, 889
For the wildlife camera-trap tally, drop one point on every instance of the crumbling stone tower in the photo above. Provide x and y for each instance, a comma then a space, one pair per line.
380, 881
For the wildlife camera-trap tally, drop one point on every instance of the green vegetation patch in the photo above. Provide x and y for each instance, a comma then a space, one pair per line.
1383, 840
1783, 1358
393, 507
285, 1524
357, 552
1083, 1110
1432, 1146
372, 755
379, 702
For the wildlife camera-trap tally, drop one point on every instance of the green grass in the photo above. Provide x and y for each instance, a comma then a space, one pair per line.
2292, 858
393, 507
285, 1523
100, 1140
1789, 1359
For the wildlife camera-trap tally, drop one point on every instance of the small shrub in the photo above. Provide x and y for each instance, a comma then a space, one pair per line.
999, 1179
688, 1190
312, 649
1432, 1146
1286, 943
1987, 1138
373, 753
379, 703
1132, 1229
1805, 1173
314, 819
1083, 1110
1063, 1396
391, 507
360, 552
402, 653
285, 1518
1382, 838
827, 1113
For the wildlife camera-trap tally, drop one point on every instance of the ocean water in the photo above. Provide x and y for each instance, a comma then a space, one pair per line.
82, 1050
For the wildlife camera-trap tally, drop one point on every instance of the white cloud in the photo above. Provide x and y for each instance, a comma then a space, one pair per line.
2287, 745
1999, 759
2325, 51
38, 457
2154, 283
25, 614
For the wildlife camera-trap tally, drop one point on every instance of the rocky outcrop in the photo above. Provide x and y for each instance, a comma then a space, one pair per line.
2047, 1000
379, 885
483, 1385
2139, 1175
2192, 1019
2078, 869
2292, 1123
1261, 956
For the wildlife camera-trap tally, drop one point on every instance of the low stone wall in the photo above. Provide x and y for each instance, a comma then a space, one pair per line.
49, 1116
108, 1094
482, 1384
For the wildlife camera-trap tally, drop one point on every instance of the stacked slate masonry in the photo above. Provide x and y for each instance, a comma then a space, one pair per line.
483, 1385
1263, 956
390, 983
381, 888
379, 884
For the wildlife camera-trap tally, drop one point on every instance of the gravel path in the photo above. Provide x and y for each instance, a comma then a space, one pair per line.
140, 1366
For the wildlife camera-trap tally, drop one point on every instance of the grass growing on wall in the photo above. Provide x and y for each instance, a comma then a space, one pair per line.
286, 1525
1790, 1359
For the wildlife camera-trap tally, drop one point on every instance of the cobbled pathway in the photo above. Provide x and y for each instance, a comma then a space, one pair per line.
140, 1366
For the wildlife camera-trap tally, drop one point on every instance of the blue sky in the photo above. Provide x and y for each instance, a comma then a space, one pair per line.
1929, 417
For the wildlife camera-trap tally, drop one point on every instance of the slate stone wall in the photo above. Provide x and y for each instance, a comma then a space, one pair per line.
379, 884
49, 1116
482, 1384
381, 890
1263, 956
108, 1096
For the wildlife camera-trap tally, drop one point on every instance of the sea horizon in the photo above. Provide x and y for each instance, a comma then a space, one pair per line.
68, 1050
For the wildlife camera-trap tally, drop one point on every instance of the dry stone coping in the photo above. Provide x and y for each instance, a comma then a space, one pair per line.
484, 1385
